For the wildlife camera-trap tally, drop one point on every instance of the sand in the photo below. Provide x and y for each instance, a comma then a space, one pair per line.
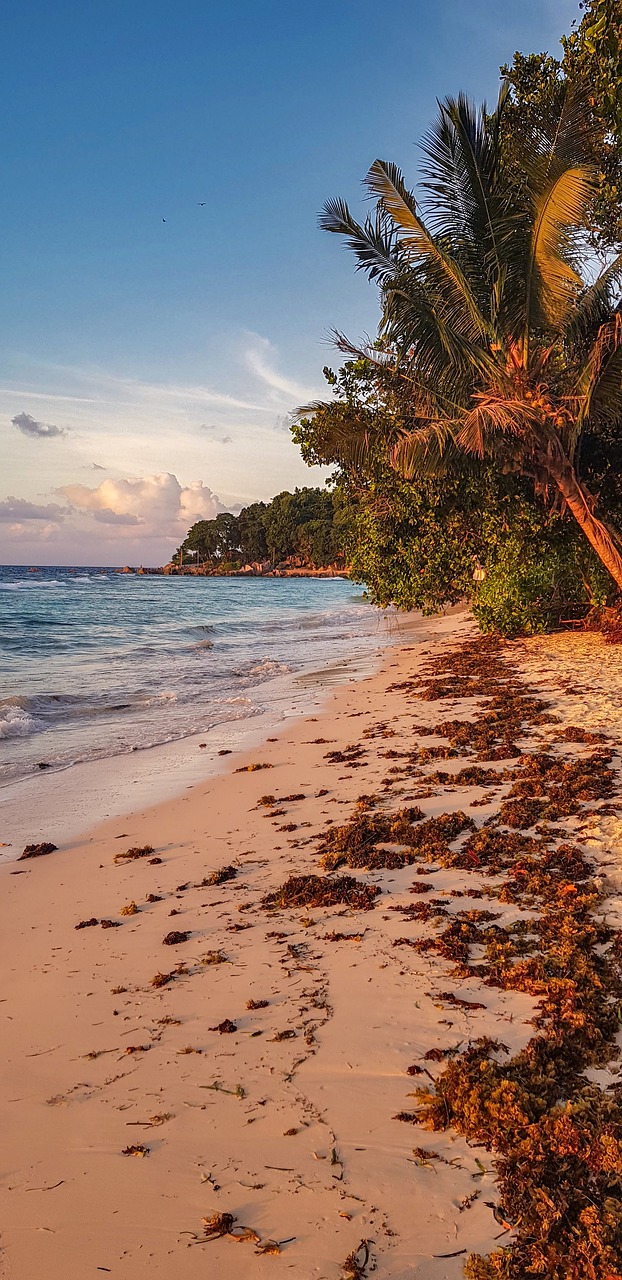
287, 1121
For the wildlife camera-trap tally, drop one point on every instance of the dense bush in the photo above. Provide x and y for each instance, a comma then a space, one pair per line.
420, 548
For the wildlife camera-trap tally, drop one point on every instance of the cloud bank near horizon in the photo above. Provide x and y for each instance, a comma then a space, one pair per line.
112, 523
147, 440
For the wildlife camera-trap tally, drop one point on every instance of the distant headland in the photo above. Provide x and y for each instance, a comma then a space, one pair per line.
297, 535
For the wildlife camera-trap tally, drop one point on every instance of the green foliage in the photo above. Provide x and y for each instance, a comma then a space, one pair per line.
537, 575
413, 546
300, 524
592, 59
418, 548
417, 544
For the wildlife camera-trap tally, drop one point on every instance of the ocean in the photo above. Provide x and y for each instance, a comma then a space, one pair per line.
96, 664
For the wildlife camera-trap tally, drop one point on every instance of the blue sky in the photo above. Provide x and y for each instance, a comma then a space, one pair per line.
175, 349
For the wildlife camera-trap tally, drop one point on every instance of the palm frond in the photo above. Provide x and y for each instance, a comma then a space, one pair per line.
491, 417
373, 243
461, 171
593, 306
565, 134
426, 451
599, 384
552, 282
385, 181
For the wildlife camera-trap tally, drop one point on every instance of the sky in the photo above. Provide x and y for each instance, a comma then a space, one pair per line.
166, 294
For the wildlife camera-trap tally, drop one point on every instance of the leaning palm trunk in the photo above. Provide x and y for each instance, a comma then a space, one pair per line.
566, 481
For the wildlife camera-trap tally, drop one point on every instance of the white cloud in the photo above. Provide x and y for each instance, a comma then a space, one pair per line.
12, 509
159, 503
260, 358
106, 516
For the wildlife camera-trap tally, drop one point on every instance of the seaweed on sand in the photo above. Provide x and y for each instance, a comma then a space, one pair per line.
356, 1263
162, 979
254, 768
354, 844
213, 957
37, 850
226, 1027
219, 877
137, 851
322, 891
557, 1137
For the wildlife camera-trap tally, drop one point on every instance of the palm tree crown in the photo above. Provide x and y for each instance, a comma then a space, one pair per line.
504, 349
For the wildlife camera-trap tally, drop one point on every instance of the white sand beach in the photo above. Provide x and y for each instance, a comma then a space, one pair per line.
281, 1114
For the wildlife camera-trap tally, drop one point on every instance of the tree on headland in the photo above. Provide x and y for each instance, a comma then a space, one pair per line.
492, 343
298, 525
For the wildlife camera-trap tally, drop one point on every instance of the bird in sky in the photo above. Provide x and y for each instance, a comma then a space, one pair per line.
201, 203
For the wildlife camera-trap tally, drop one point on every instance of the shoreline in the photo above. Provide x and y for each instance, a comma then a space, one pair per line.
73, 798
113, 786
288, 1121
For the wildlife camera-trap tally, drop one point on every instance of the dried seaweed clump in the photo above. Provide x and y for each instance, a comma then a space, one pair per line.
354, 844
176, 936
546, 786
162, 979
37, 850
214, 957
356, 1263
137, 851
254, 768
572, 733
322, 891
220, 876
433, 836
471, 776
218, 1224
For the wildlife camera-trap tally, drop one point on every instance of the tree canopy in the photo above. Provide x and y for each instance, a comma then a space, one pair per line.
493, 347
591, 61
302, 524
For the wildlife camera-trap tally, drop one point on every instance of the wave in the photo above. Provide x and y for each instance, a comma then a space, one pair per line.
109, 672
264, 668
17, 722
30, 584
26, 715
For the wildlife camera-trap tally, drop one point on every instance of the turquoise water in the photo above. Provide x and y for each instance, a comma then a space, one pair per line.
94, 664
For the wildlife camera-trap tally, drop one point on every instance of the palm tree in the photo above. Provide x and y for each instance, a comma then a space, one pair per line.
501, 347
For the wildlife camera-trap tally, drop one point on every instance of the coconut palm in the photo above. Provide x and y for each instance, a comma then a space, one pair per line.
501, 347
